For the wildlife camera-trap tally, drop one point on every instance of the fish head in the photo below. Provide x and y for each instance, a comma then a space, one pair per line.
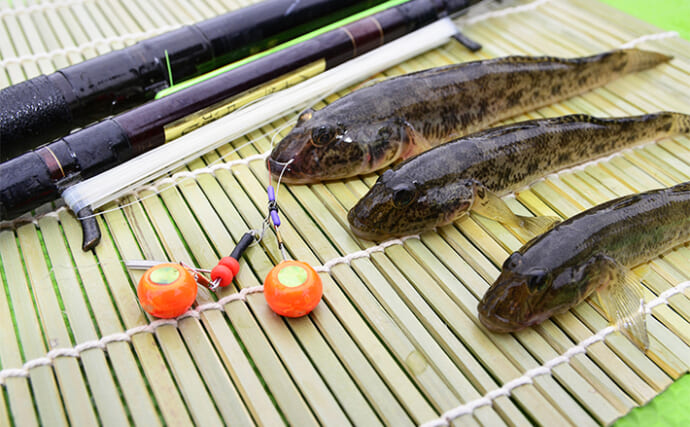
321, 147
526, 292
508, 305
399, 205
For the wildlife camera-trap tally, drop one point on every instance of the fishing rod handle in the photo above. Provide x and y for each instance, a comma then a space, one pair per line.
26, 108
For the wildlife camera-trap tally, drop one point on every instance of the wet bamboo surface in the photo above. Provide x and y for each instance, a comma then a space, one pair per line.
396, 339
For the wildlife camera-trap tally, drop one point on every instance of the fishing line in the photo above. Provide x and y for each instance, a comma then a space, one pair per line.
292, 288
281, 176
182, 177
159, 186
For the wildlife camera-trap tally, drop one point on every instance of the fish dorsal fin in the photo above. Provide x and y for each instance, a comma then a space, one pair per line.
682, 187
499, 131
627, 201
621, 298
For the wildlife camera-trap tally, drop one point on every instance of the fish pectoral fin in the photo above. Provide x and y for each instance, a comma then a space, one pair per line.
488, 204
537, 225
622, 300
642, 271
416, 142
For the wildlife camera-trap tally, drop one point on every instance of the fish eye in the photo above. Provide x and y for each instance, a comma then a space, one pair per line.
305, 115
322, 135
513, 261
403, 195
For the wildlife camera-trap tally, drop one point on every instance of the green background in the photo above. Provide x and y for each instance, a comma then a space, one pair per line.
672, 407
671, 15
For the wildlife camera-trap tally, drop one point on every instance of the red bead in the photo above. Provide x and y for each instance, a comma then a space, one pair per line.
223, 273
231, 263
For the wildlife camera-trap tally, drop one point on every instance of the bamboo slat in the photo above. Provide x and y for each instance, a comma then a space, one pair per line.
50, 308
396, 340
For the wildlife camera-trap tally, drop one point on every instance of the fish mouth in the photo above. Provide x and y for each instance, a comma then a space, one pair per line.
361, 230
287, 173
507, 305
369, 235
496, 323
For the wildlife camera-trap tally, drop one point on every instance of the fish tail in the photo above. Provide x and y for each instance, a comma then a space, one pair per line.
639, 60
630, 131
666, 123
680, 123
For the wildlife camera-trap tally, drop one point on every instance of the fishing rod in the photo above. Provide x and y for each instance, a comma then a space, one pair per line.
43, 108
40, 176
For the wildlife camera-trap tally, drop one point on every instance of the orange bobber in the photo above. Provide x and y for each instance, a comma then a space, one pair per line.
293, 288
167, 290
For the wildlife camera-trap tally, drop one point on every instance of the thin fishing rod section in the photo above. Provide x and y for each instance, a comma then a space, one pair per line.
48, 106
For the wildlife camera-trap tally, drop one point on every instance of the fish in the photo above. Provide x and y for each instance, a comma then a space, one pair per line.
375, 126
592, 251
472, 173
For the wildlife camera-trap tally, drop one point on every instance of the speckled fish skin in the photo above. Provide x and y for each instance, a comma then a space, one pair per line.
374, 126
438, 186
563, 266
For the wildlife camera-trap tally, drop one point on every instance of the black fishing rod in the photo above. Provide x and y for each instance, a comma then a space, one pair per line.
40, 176
43, 108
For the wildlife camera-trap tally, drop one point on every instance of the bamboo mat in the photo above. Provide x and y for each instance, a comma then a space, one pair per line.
396, 339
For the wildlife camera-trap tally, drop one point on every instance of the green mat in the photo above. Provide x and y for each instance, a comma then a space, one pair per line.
670, 408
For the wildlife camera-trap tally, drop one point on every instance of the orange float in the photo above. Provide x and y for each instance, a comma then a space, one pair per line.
293, 288
167, 290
